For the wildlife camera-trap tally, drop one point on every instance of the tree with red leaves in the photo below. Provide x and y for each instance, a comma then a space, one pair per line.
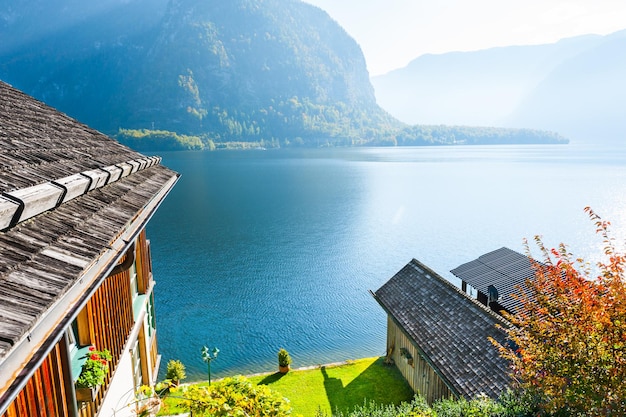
568, 341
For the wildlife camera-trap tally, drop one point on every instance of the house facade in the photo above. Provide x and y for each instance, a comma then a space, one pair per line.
75, 265
438, 337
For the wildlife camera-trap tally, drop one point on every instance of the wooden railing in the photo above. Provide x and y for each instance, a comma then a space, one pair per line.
106, 323
110, 313
45, 393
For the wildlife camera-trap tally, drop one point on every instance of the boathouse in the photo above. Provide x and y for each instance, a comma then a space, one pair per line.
75, 266
438, 336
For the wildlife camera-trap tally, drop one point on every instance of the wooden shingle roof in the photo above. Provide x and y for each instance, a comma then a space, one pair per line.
82, 197
503, 268
449, 329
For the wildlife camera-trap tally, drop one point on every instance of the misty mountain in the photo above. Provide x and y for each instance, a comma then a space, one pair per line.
555, 86
584, 97
237, 70
29, 23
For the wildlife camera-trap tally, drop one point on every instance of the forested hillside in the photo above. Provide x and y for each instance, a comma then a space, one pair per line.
241, 70
189, 74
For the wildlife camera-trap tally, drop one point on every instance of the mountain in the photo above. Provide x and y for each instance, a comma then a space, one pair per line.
237, 70
31, 23
571, 86
584, 97
205, 74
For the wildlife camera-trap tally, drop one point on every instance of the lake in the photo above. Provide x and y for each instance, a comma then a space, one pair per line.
257, 250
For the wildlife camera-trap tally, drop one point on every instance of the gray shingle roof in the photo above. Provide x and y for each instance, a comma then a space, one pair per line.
43, 256
503, 268
450, 329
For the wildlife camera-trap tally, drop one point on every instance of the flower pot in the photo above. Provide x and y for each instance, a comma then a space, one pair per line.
283, 369
87, 395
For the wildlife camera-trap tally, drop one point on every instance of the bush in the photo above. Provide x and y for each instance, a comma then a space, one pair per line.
481, 406
509, 405
284, 359
233, 397
416, 408
175, 371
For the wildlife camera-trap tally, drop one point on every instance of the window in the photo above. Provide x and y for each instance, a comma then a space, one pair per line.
72, 336
471, 291
150, 316
78, 353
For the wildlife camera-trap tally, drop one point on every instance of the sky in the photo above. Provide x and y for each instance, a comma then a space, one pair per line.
392, 33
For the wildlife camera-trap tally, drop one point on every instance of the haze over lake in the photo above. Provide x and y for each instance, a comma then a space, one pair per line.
257, 250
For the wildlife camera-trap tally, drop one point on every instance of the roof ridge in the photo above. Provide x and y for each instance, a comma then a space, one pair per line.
19, 205
474, 301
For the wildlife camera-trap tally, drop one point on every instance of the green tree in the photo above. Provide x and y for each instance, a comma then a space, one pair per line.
569, 338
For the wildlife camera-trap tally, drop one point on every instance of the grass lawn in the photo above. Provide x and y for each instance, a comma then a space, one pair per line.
338, 387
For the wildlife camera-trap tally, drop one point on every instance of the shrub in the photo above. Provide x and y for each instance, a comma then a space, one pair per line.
509, 405
481, 406
567, 346
519, 404
233, 397
416, 408
175, 371
284, 359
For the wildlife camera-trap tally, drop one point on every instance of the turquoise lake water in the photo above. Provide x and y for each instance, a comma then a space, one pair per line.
257, 250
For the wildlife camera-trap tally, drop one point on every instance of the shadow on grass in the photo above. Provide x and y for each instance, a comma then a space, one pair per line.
373, 384
271, 378
334, 389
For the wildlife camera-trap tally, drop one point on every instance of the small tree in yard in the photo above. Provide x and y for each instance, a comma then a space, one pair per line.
568, 346
175, 371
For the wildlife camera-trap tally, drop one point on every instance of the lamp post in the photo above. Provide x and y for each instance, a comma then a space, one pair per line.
208, 357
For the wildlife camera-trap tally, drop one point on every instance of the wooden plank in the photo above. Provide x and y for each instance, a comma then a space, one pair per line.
76, 185
98, 178
37, 199
8, 209
126, 168
114, 171
84, 335
420, 376
66, 257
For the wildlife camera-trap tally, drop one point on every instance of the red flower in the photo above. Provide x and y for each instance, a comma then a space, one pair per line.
103, 361
92, 348
95, 357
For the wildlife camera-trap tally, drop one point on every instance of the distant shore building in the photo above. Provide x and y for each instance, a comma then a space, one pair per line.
438, 334
75, 266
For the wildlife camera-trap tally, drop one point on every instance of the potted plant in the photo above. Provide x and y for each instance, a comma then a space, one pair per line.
284, 360
175, 371
92, 374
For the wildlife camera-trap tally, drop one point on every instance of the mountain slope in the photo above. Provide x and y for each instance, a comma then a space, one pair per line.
242, 70
26, 23
584, 97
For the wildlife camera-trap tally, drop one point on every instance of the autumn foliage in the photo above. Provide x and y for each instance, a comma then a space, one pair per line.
568, 347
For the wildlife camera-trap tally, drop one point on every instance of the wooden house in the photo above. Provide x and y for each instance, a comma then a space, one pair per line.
75, 268
438, 336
